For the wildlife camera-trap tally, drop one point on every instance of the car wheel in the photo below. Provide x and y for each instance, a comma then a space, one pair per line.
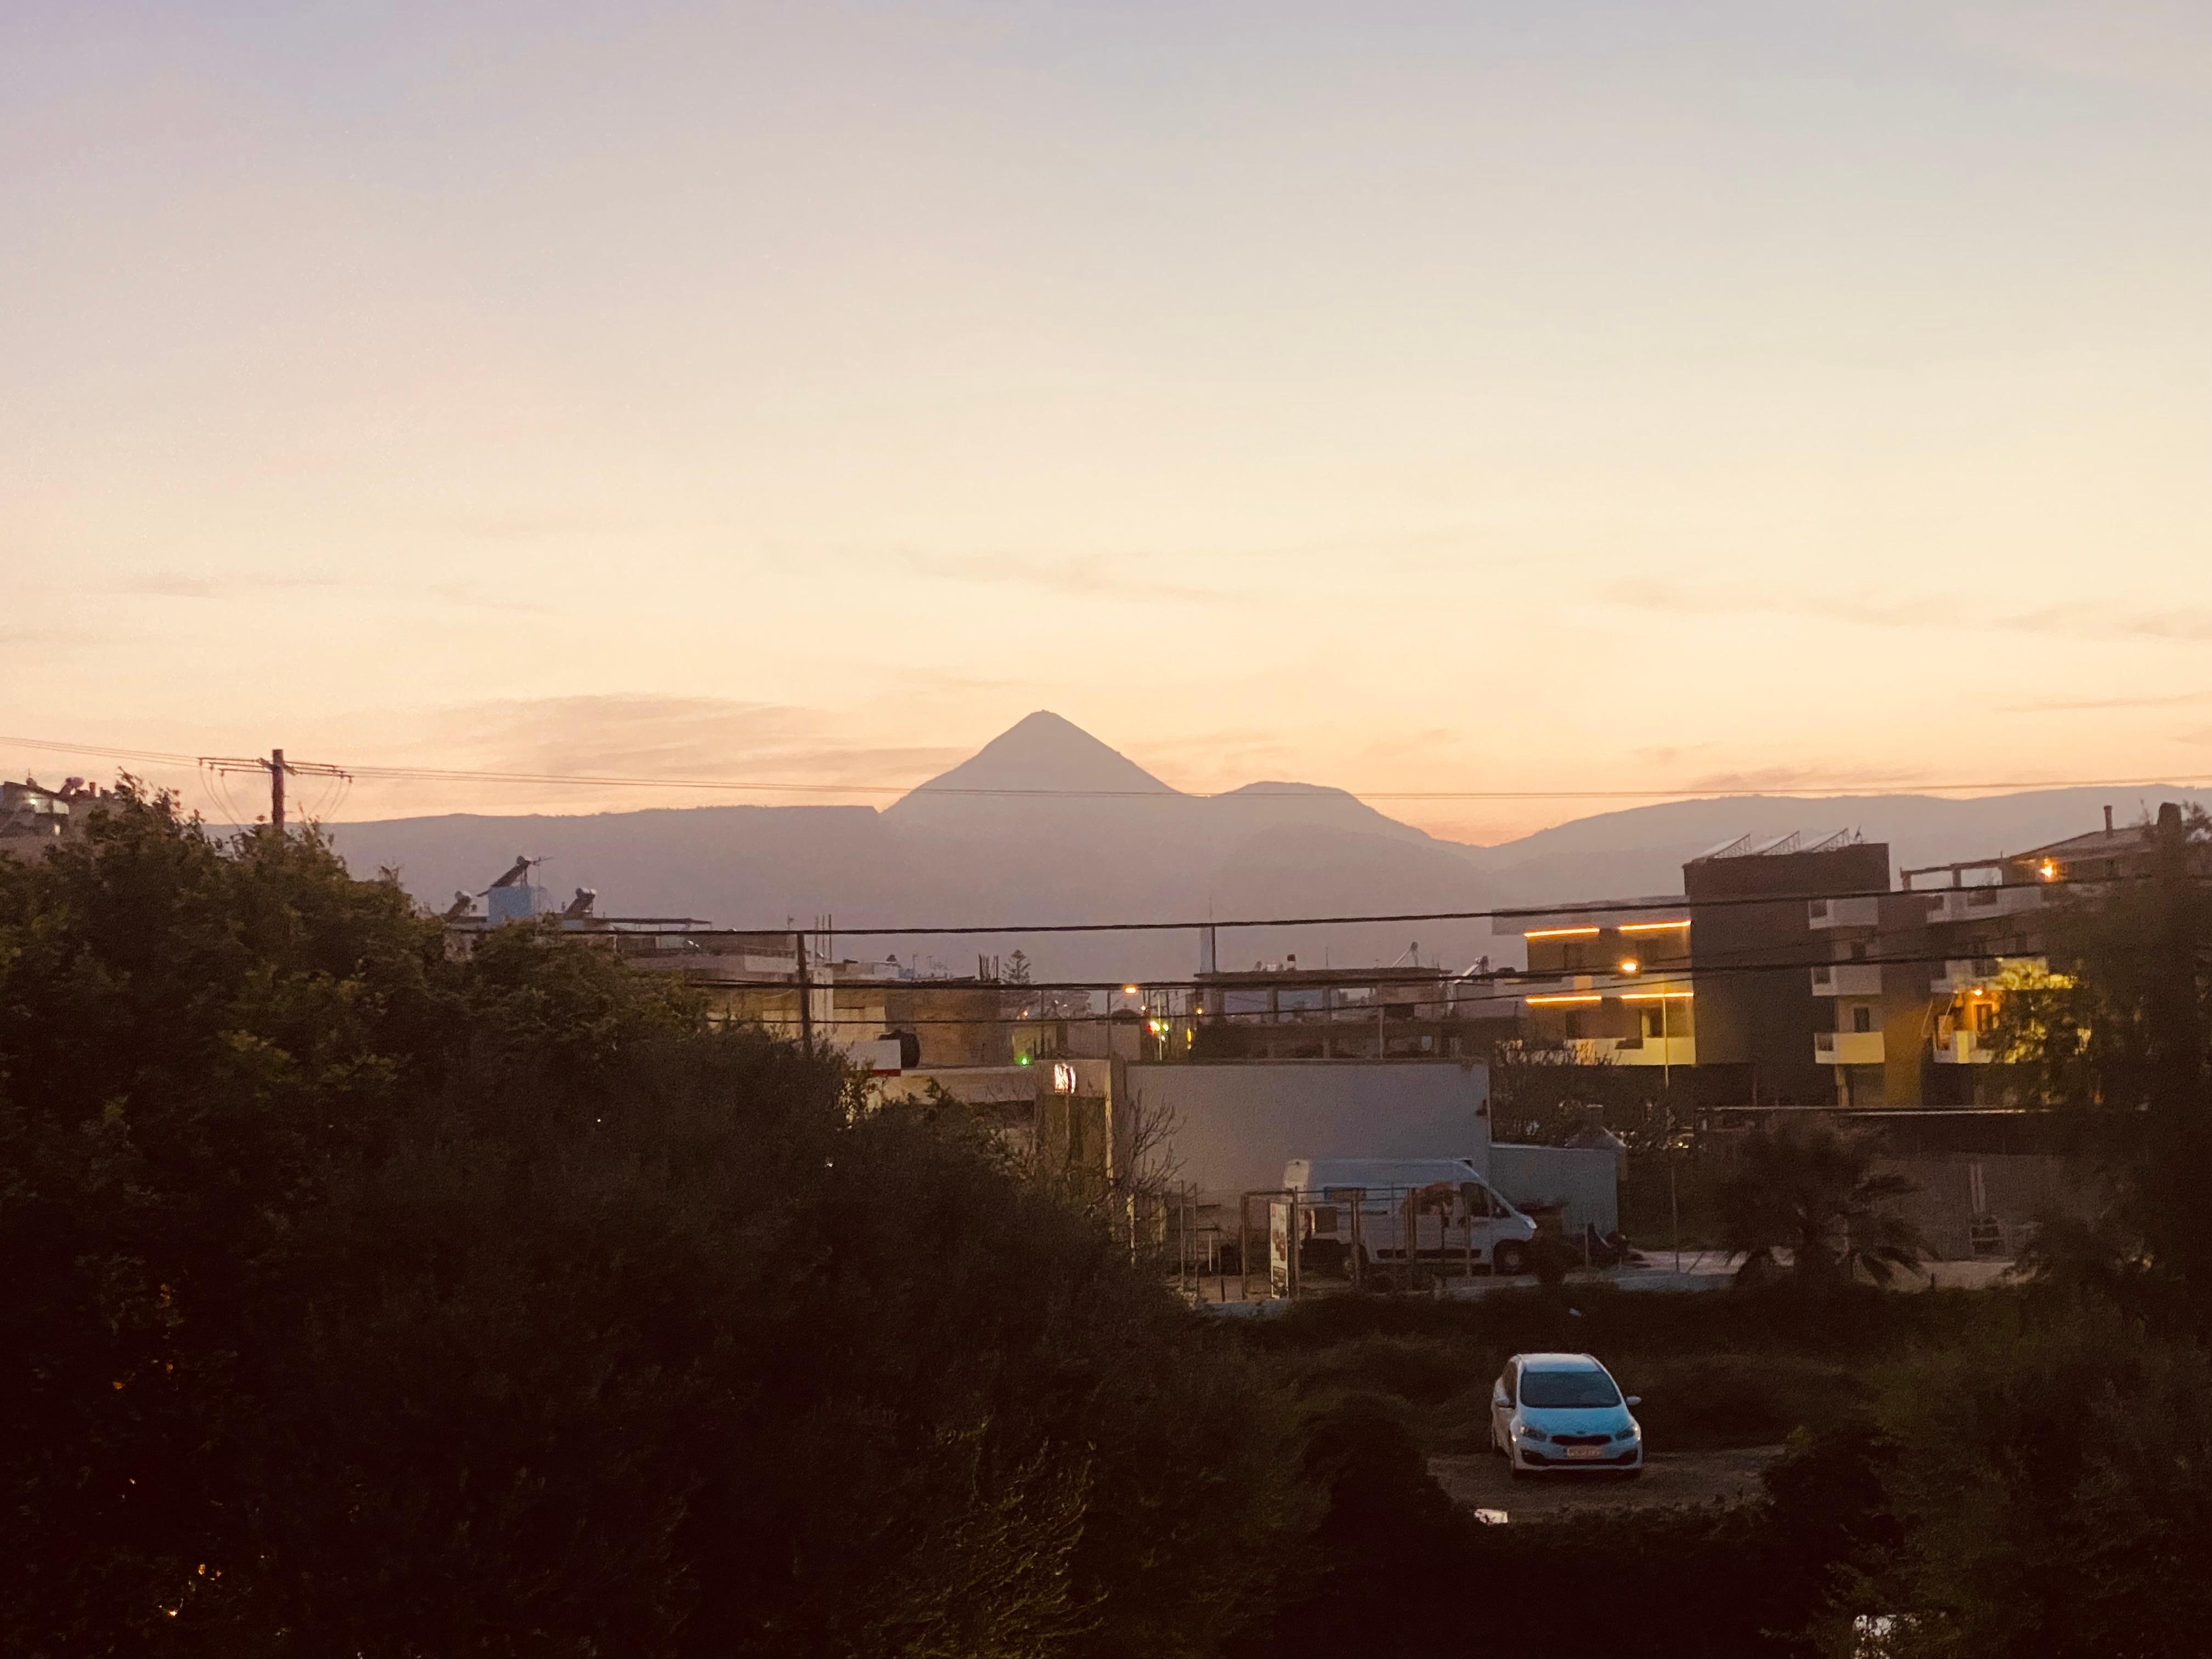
1510, 1259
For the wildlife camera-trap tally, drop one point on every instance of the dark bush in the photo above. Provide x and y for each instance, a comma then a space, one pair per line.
365, 1299
1713, 1401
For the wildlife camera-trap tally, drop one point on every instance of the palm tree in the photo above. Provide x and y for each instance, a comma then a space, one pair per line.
1815, 1191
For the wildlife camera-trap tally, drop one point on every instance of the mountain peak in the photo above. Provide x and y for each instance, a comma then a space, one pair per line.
1043, 751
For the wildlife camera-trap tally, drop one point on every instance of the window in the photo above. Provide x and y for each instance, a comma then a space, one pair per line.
1858, 952
1862, 1018
1585, 1390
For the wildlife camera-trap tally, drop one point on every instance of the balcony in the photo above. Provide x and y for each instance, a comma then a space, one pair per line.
1947, 904
1847, 979
1847, 1047
1963, 1049
1863, 912
1960, 976
1635, 1051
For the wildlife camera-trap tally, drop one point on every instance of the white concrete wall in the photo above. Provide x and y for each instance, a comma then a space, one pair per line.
1586, 1180
1236, 1123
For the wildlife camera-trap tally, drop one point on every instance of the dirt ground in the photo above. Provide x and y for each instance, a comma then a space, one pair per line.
1481, 1480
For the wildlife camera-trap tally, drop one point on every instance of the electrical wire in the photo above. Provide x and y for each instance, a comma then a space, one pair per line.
595, 780
1515, 912
1661, 981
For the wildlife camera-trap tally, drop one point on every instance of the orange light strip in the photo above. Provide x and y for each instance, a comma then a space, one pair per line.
1655, 996
1652, 926
1544, 1002
1561, 933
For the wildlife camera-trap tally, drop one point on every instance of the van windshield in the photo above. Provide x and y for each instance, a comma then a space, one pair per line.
1568, 1391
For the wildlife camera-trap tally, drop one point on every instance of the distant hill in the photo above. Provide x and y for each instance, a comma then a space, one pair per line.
1116, 843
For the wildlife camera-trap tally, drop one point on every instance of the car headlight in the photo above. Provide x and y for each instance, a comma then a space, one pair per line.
1631, 1432
1527, 1433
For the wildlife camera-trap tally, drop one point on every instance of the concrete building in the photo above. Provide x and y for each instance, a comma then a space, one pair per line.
1763, 910
1406, 1010
34, 817
1610, 984
1710, 987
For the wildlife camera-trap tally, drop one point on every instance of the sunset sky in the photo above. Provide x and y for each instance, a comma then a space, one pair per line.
1456, 397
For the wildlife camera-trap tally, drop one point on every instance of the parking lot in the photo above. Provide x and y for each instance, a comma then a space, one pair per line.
1481, 1480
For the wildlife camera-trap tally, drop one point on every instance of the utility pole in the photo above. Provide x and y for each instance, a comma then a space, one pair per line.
2181, 1130
276, 790
805, 995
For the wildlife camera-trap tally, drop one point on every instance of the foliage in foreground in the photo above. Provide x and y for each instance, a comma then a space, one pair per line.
2045, 1491
365, 1300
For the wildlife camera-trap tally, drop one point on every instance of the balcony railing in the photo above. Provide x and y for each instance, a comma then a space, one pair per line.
1964, 1048
1848, 1048
1979, 903
1847, 979
1863, 912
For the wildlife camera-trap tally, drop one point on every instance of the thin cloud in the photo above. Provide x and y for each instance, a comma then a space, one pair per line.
1105, 579
1949, 612
176, 585
651, 735
524, 526
2075, 705
471, 599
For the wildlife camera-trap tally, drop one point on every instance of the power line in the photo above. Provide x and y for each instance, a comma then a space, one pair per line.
1801, 790
1661, 979
1677, 901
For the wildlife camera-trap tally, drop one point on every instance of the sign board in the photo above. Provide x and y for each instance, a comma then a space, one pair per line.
1282, 1266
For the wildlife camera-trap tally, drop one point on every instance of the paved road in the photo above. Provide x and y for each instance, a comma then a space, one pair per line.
1482, 1481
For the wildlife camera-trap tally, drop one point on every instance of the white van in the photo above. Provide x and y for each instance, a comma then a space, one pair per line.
1453, 1213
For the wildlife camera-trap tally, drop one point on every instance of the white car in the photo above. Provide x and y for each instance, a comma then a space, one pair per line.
1563, 1412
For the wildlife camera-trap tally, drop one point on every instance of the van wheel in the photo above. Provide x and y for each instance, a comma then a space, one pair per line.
1509, 1258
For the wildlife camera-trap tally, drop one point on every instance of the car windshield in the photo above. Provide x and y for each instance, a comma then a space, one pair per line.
1559, 1391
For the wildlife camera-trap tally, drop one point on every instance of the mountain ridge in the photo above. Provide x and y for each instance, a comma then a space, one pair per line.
1145, 851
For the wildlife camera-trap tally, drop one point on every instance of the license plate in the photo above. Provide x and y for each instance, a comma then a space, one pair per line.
1585, 1451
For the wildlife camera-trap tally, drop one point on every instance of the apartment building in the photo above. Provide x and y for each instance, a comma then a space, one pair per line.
1610, 983
1406, 1010
1710, 987
33, 818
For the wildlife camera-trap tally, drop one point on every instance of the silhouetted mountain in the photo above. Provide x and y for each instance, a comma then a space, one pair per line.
1642, 850
1118, 844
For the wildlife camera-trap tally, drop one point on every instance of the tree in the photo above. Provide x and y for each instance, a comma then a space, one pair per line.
1814, 1191
367, 1299
2119, 1033
2043, 1480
